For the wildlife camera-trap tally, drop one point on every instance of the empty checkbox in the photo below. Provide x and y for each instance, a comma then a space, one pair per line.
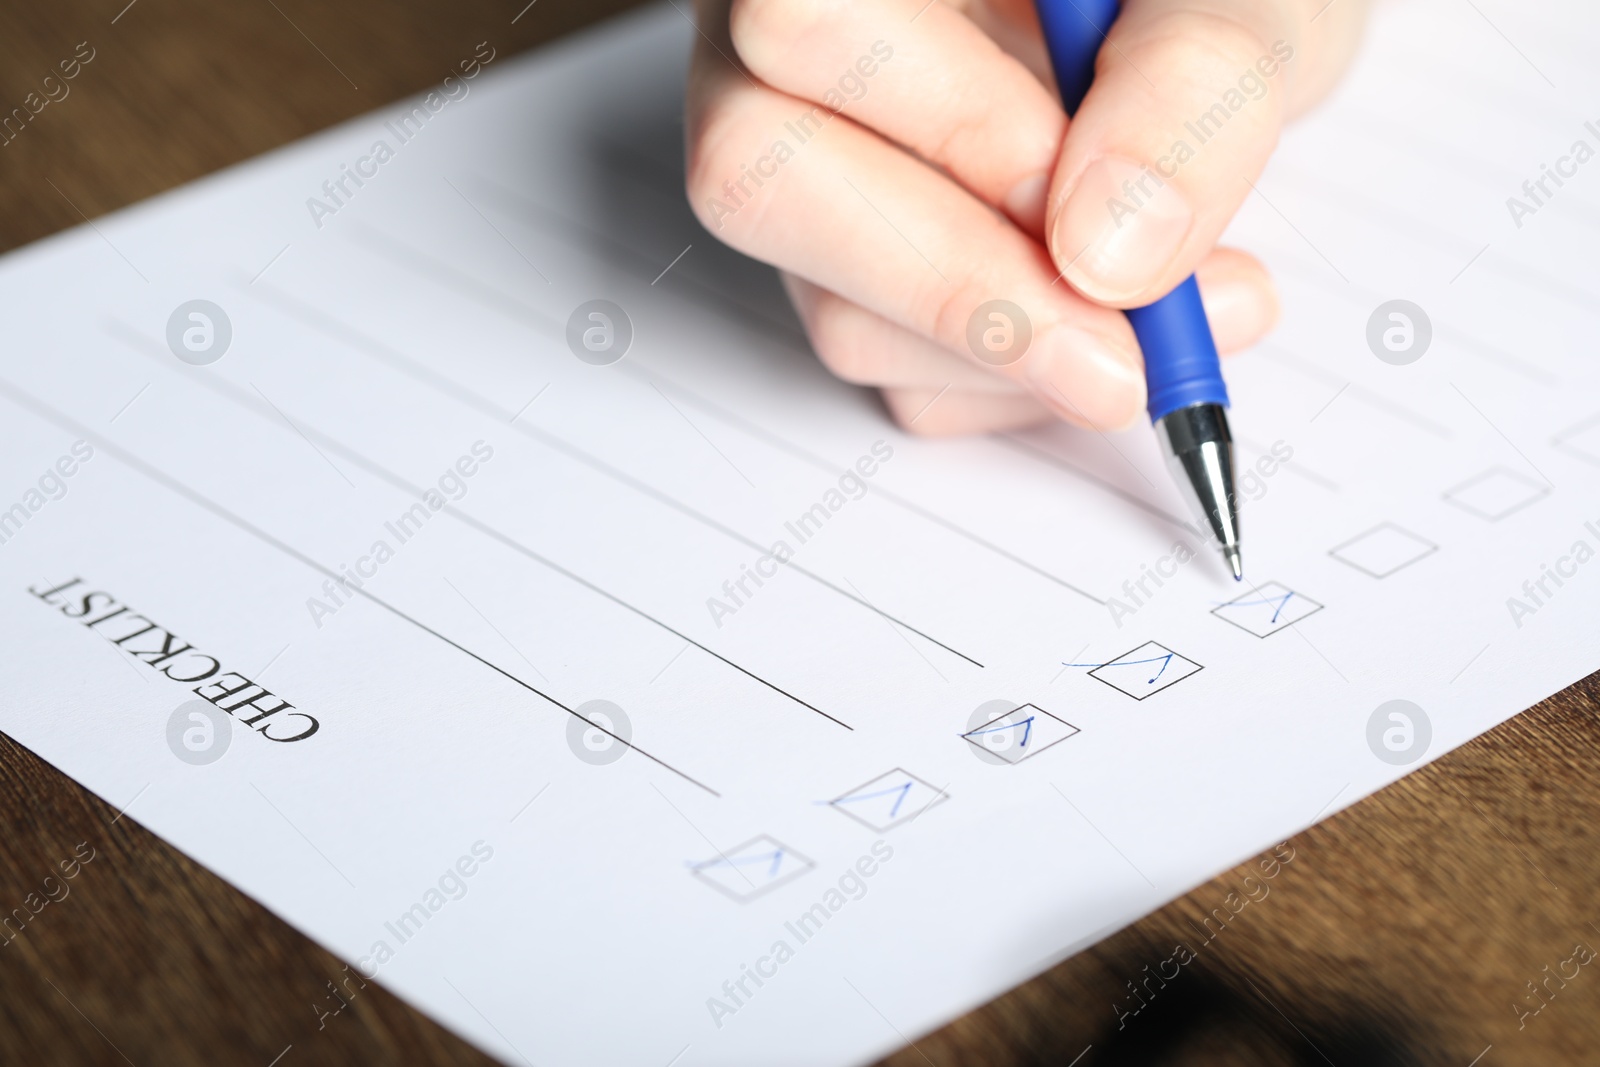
1496, 493
1383, 550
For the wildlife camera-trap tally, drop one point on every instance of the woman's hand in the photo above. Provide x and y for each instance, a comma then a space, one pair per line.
907, 162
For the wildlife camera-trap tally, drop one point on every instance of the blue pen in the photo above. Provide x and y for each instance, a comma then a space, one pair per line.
1188, 400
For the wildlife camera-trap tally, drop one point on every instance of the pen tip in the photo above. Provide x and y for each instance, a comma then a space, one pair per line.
1236, 563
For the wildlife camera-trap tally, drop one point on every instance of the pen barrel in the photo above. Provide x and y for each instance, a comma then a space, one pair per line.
1181, 368
1073, 32
1180, 357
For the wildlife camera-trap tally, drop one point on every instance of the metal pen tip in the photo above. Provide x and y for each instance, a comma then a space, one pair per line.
1199, 449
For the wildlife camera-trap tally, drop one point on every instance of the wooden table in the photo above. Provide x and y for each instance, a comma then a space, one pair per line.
1406, 930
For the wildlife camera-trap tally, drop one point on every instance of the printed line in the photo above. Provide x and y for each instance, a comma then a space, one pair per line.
1377, 400
716, 411
302, 434
396, 360
495, 628
707, 440
424, 266
1358, 296
585, 239
703, 836
1293, 465
1027, 448
127, 336
39, 408
1065, 399
888, 622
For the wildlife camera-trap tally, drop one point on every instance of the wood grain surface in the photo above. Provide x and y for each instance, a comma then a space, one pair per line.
1422, 926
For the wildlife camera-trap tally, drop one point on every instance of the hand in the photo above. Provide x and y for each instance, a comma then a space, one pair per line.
903, 165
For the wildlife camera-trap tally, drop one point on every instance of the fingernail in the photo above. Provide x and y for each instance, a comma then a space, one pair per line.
1086, 379
1025, 203
1241, 309
1118, 229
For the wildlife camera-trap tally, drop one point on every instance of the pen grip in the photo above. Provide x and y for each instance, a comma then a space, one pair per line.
1180, 357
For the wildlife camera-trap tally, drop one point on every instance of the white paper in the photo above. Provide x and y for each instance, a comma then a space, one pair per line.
818, 725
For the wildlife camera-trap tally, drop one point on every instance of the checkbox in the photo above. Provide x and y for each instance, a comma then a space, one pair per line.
889, 800
1145, 671
1581, 440
1020, 733
1383, 550
1267, 609
755, 867
1496, 493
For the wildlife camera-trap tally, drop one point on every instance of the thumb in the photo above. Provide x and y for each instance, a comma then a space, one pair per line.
1184, 111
